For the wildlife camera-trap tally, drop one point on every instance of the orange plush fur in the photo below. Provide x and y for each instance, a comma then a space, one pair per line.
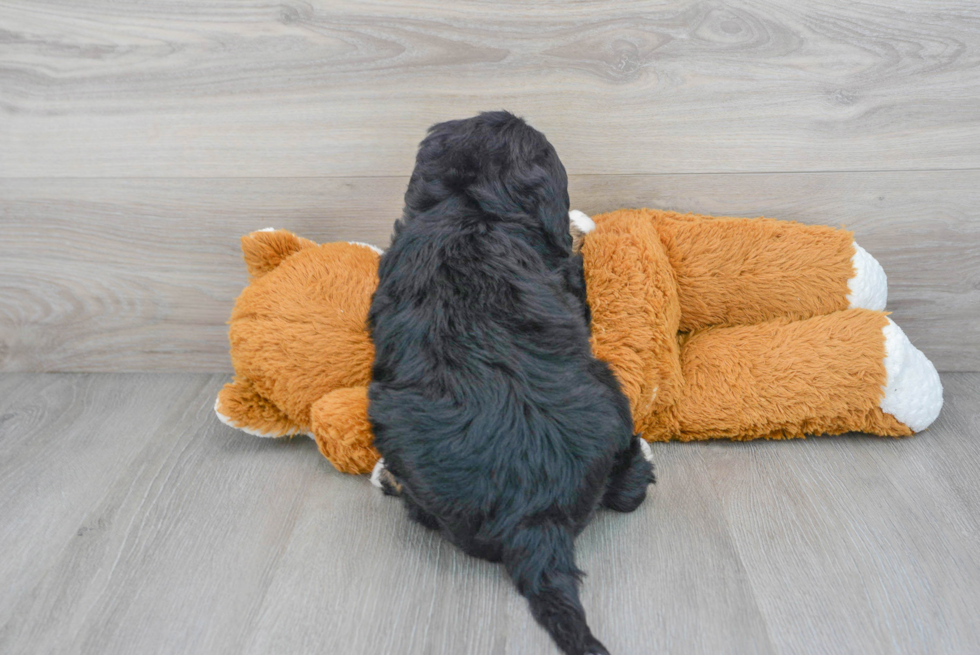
299, 345
716, 327
734, 328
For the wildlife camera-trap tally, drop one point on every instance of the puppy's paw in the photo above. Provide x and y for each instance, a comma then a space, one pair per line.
383, 479
646, 450
379, 468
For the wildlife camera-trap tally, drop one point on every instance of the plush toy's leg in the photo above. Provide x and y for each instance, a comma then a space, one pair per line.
741, 271
852, 370
241, 406
342, 430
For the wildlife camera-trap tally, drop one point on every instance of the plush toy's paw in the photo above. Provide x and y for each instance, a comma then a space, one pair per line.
868, 289
581, 221
579, 224
913, 391
240, 406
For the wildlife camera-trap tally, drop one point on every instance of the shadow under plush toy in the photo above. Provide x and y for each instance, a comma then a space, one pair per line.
727, 328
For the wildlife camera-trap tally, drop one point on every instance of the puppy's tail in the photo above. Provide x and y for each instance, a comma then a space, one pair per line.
541, 561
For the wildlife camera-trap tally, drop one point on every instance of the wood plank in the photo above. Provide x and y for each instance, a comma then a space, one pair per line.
64, 440
142, 274
320, 88
178, 534
948, 456
859, 544
175, 555
656, 579
214, 541
127, 274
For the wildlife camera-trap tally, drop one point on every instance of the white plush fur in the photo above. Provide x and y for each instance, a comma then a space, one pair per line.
868, 288
581, 220
913, 391
227, 420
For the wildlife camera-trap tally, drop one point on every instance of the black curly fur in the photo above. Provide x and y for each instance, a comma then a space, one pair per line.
503, 431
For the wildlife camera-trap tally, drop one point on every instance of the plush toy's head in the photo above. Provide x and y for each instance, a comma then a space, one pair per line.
297, 331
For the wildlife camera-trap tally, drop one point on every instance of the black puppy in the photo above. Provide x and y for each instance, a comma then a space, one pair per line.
500, 428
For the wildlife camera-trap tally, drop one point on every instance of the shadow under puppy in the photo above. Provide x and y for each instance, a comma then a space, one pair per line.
497, 426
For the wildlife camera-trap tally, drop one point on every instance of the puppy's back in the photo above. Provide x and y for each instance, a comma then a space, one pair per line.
487, 407
486, 402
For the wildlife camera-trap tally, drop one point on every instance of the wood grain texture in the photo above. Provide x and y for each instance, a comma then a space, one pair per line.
878, 530
329, 88
656, 578
64, 440
178, 534
126, 274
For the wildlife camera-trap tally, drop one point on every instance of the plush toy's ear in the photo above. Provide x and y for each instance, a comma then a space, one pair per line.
266, 249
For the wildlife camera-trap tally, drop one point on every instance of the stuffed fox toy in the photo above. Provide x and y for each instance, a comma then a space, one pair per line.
721, 327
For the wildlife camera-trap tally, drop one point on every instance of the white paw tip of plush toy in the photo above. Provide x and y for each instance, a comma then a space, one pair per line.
367, 245
868, 289
646, 450
227, 420
376, 473
581, 220
913, 391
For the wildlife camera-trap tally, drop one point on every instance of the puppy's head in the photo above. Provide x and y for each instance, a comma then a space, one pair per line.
498, 166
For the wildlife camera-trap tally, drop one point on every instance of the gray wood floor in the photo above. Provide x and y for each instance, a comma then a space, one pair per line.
131, 521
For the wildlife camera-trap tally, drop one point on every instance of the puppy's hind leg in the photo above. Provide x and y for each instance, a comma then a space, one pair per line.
391, 486
630, 477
